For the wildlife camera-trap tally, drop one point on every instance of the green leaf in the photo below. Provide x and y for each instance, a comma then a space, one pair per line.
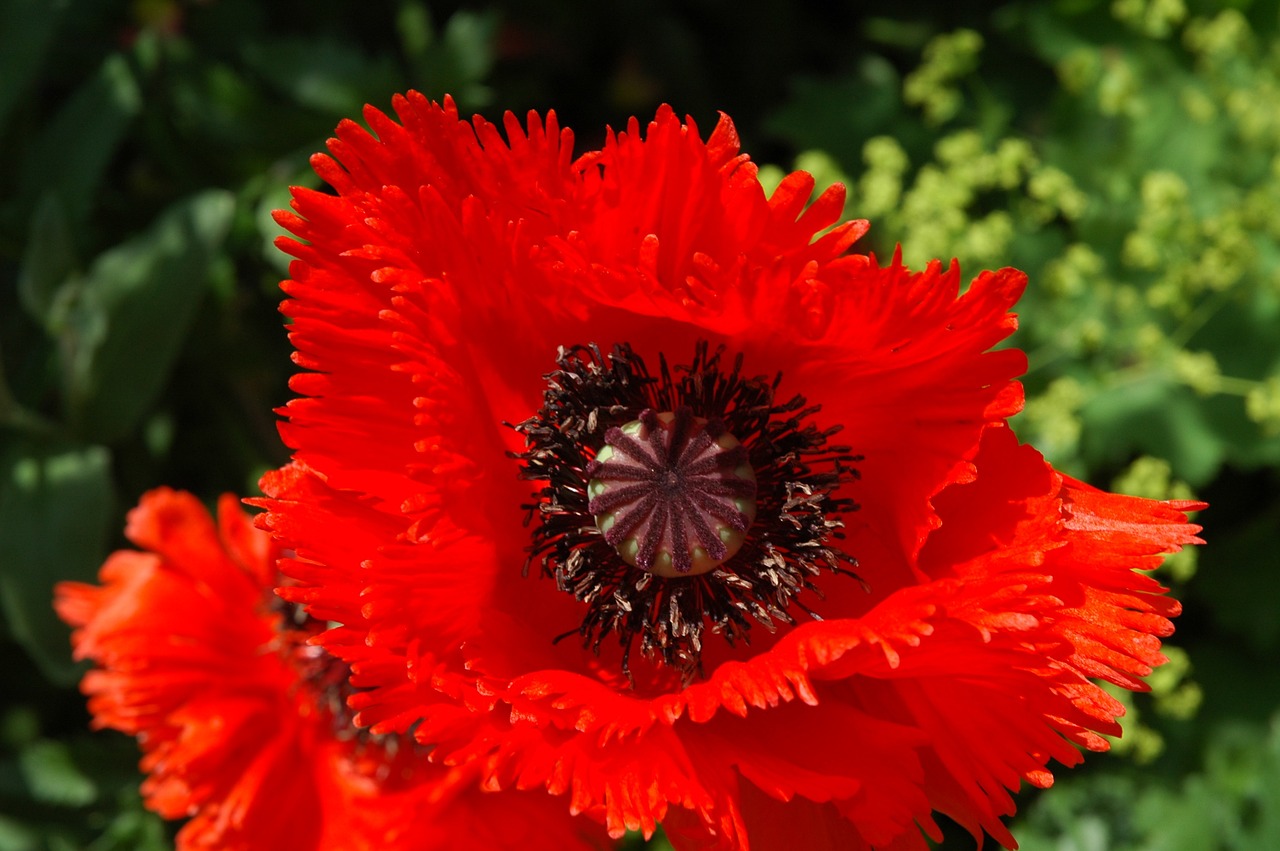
53, 777
131, 312
1151, 416
69, 156
55, 511
468, 37
18, 726
416, 30
839, 114
329, 76
16, 836
456, 60
48, 262
133, 830
28, 30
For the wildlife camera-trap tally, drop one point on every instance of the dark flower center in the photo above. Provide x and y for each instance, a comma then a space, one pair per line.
681, 503
327, 679
672, 493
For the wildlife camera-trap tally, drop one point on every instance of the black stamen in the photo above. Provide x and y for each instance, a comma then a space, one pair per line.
664, 484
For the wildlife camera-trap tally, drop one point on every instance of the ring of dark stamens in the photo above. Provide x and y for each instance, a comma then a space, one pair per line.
789, 544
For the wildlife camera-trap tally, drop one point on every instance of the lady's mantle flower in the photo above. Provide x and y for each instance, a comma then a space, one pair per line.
626, 481
241, 721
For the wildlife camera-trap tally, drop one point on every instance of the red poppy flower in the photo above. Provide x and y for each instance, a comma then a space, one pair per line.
239, 717
627, 481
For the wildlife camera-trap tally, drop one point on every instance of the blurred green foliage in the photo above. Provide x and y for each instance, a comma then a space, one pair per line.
1125, 153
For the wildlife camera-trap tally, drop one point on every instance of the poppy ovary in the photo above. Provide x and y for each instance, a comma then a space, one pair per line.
673, 493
